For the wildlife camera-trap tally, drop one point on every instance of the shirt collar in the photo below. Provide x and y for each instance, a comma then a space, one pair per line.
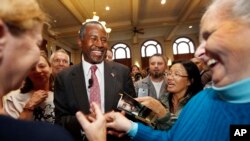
86, 66
238, 92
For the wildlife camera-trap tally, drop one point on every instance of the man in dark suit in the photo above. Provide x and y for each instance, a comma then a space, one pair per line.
72, 86
205, 72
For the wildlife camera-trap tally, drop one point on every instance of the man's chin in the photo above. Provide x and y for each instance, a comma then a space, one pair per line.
97, 60
157, 75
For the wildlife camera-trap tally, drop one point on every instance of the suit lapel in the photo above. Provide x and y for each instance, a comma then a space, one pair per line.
110, 85
79, 88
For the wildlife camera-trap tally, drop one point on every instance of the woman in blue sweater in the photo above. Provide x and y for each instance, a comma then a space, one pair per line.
225, 47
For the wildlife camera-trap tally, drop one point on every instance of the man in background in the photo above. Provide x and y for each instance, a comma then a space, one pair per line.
59, 60
109, 55
154, 84
205, 72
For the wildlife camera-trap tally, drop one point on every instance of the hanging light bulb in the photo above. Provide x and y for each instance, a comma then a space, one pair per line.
163, 2
108, 30
96, 18
107, 8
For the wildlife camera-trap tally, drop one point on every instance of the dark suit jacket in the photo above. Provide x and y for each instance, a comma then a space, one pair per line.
71, 93
206, 77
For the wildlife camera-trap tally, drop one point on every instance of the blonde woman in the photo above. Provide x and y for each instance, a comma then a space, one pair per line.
20, 35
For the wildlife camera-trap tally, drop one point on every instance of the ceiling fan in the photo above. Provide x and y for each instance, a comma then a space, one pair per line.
138, 30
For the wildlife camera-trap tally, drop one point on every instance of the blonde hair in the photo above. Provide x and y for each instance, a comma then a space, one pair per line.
22, 14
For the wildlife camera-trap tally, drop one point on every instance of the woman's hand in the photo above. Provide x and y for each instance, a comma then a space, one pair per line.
153, 104
36, 99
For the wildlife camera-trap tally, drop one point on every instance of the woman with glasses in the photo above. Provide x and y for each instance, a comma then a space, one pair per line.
183, 82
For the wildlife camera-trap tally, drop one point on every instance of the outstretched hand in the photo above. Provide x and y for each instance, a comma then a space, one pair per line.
117, 123
93, 126
153, 104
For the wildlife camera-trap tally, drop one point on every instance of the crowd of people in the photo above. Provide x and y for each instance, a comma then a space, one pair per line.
208, 115
196, 99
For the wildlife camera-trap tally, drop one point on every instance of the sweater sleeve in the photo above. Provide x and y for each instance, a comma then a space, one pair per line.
146, 133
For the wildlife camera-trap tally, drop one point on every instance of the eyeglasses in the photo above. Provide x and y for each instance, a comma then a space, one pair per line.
175, 74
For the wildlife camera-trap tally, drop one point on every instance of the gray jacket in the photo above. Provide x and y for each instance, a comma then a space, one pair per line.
145, 87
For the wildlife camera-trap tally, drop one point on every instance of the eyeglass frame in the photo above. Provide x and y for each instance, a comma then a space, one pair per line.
175, 74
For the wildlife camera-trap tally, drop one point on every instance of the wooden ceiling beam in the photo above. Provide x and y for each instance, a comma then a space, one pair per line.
135, 12
184, 14
76, 7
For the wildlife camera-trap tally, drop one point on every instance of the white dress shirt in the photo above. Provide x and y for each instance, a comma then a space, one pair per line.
100, 76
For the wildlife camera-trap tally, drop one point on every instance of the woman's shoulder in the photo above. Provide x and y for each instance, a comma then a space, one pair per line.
17, 96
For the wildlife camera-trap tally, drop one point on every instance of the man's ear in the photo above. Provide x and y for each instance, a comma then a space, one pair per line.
79, 42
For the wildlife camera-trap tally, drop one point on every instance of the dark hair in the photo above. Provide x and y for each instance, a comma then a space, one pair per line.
28, 85
83, 28
194, 78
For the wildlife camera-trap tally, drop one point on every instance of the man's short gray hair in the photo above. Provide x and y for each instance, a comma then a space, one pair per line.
57, 51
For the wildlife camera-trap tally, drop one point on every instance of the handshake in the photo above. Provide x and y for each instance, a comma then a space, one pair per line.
144, 109
96, 125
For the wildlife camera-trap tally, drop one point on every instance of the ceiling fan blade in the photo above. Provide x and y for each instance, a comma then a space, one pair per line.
141, 32
136, 30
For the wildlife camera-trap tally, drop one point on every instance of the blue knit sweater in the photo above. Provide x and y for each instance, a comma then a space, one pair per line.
207, 116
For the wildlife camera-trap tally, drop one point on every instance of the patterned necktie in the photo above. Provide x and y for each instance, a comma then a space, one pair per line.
95, 95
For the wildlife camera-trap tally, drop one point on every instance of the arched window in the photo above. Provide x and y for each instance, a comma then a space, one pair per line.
121, 51
183, 45
150, 47
121, 54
